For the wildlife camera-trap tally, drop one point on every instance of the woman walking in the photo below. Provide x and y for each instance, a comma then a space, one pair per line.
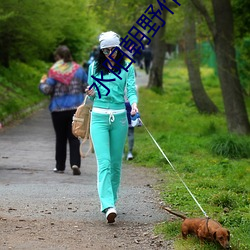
109, 123
65, 84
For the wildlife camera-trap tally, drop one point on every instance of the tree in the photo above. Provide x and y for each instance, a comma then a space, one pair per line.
201, 99
159, 46
223, 37
129, 12
118, 15
28, 33
24, 32
241, 17
159, 51
242, 32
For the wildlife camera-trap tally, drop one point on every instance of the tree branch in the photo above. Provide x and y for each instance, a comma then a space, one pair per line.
202, 9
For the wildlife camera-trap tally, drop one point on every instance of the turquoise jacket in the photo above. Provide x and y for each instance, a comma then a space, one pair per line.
115, 99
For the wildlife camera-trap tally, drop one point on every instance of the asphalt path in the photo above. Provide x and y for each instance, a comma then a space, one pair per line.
26, 164
31, 190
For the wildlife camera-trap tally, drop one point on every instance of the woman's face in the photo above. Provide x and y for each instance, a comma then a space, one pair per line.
108, 51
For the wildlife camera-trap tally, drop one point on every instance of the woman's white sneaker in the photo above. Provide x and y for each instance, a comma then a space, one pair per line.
130, 156
111, 214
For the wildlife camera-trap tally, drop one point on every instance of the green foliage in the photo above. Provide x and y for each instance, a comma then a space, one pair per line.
231, 146
224, 200
243, 60
242, 37
41, 29
219, 183
175, 25
241, 17
122, 15
19, 87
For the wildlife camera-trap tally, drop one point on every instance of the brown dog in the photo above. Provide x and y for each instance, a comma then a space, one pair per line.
204, 229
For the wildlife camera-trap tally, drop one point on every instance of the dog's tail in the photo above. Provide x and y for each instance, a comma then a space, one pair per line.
175, 213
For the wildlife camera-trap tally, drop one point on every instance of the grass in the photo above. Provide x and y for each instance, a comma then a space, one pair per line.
19, 88
214, 164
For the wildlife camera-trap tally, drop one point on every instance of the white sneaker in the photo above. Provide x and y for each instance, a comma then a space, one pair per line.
111, 214
130, 156
58, 171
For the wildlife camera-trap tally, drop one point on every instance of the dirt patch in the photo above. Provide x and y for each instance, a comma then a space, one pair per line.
51, 234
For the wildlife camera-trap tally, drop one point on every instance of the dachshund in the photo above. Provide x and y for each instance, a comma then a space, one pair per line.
204, 229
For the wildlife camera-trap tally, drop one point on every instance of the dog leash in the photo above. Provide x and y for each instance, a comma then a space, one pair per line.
174, 169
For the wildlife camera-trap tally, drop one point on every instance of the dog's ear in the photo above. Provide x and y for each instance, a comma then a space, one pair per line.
228, 237
214, 235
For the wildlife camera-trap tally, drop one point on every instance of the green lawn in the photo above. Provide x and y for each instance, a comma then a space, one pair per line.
214, 164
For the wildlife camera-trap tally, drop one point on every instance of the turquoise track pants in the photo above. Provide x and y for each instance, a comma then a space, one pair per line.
108, 136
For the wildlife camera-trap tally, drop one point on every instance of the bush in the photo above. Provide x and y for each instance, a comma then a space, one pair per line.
224, 200
19, 88
231, 146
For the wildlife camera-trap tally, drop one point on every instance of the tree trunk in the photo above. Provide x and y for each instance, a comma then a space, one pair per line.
223, 37
201, 99
159, 51
235, 109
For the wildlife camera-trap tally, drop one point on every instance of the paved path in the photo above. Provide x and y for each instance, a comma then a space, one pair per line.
27, 160
141, 78
31, 191
26, 163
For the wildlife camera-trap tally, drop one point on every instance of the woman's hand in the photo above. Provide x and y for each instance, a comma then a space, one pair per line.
43, 79
90, 92
134, 109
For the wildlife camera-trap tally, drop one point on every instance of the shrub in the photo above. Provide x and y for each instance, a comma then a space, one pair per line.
223, 200
231, 146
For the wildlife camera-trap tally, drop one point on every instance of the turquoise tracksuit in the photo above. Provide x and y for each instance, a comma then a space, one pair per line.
109, 129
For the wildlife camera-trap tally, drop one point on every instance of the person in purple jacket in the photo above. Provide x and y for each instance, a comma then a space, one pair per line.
65, 83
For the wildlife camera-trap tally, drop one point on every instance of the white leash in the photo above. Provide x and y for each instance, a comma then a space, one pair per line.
174, 169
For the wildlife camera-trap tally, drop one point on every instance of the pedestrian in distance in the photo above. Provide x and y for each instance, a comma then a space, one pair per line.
109, 125
93, 55
131, 130
130, 133
138, 57
65, 83
148, 57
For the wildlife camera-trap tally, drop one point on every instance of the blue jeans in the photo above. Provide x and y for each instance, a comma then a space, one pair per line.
108, 139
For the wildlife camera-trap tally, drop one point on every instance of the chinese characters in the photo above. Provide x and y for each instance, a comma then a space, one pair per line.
135, 40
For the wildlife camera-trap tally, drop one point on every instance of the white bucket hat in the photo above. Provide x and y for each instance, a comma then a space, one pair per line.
109, 39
